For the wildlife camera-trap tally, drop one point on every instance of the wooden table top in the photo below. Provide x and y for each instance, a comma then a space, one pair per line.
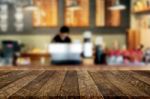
75, 67
74, 84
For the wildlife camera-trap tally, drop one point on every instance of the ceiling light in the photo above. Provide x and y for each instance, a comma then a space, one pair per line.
74, 5
117, 6
31, 6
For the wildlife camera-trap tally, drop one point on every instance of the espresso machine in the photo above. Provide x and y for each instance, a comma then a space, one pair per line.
9, 52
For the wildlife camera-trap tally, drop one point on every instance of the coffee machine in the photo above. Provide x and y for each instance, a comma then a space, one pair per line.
9, 52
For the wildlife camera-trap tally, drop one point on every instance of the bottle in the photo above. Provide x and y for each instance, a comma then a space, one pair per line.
100, 55
42, 60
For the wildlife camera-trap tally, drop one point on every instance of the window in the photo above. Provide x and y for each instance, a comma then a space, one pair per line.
46, 14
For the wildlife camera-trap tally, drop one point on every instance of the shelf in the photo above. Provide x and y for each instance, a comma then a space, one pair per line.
142, 11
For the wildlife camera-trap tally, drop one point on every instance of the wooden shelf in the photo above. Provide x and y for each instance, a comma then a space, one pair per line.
143, 11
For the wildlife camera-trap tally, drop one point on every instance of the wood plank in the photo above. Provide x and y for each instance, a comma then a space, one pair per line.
105, 86
4, 73
53, 85
12, 77
77, 67
70, 87
34, 86
125, 87
100, 12
12, 88
9, 74
87, 87
142, 76
133, 38
144, 73
75, 84
139, 81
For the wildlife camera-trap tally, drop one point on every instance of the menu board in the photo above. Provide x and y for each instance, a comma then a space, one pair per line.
46, 13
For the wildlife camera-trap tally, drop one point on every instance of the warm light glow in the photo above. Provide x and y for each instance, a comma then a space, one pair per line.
77, 18
46, 13
100, 12
113, 17
74, 6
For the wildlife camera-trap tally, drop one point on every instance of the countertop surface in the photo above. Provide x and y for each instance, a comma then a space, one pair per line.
74, 84
76, 67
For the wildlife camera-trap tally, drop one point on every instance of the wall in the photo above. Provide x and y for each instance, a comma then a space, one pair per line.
144, 32
39, 41
145, 37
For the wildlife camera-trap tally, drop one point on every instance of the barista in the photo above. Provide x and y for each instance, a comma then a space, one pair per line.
63, 36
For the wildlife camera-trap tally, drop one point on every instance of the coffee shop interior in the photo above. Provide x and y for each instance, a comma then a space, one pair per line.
75, 48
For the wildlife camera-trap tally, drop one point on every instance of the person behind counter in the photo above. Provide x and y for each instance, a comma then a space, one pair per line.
63, 36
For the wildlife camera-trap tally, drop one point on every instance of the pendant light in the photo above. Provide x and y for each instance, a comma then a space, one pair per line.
74, 5
117, 6
31, 6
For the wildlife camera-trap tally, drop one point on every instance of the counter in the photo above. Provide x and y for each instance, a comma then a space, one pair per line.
76, 67
45, 59
65, 83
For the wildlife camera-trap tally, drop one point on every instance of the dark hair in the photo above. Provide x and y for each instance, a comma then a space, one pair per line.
141, 46
64, 29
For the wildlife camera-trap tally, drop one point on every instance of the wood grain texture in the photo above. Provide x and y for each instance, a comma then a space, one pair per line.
35, 85
144, 73
87, 86
4, 73
70, 87
125, 87
53, 85
77, 67
11, 77
140, 82
105, 86
17, 85
74, 84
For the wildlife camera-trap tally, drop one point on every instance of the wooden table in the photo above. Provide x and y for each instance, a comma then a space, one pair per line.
74, 84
